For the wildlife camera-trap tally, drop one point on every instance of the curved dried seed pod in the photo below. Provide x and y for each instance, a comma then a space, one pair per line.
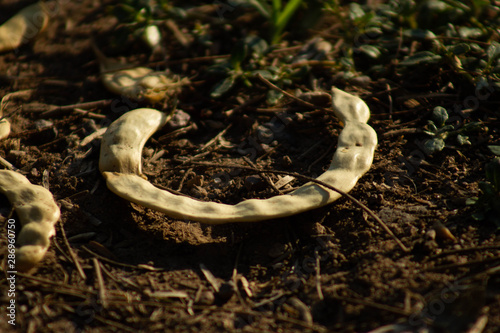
353, 158
4, 128
23, 26
121, 147
4, 123
37, 212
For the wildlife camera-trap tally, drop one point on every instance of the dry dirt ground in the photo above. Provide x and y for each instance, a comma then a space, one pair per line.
333, 269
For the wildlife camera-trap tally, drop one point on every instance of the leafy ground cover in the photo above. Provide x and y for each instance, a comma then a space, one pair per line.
429, 71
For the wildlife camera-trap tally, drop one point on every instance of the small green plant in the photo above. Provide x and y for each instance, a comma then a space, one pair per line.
246, 62
242, 65
277, 14
440, 131
459, 35
488, 204
141, 19
139, 12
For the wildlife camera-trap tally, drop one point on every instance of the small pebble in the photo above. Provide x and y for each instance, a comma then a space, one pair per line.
179, 119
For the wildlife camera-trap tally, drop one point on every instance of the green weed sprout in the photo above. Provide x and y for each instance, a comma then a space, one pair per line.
488, 204
277, 14
247, 61
439, 131
242, 64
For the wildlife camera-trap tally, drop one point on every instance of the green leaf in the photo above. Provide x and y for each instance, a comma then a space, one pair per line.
250, 45
430, 133
432, 127
471, 33
238, 54
419, 58
459, 49
471, 201
257, 46
419, 34
439, 116
434, 145
273, 97
495, 150
223, 86
463, 140
287, 13
446, 128
493, 51
355, 11
262, 7
265, 74
370, 50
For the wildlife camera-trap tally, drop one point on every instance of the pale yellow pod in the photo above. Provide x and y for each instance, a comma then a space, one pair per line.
352, 159
4, 128
23, 27
121, 146
137, 83
38, 214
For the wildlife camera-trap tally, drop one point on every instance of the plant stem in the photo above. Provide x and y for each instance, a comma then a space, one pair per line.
283, 17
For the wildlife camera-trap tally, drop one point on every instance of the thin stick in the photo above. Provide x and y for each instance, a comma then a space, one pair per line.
460, 265
319, 182
389, 97
210, 277
318, 276
214, 139
300, 101
72, 254
470, 249
115, 324
100, 283
184, 177
326, 63
60, 286
53, 109
402, 131
263, 175
117, 263
7, 164
89, 114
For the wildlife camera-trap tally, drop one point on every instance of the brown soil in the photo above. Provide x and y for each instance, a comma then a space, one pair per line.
333, 269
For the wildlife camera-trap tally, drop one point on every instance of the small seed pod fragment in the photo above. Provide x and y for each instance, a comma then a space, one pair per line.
138, 83
23, 27
37, 212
